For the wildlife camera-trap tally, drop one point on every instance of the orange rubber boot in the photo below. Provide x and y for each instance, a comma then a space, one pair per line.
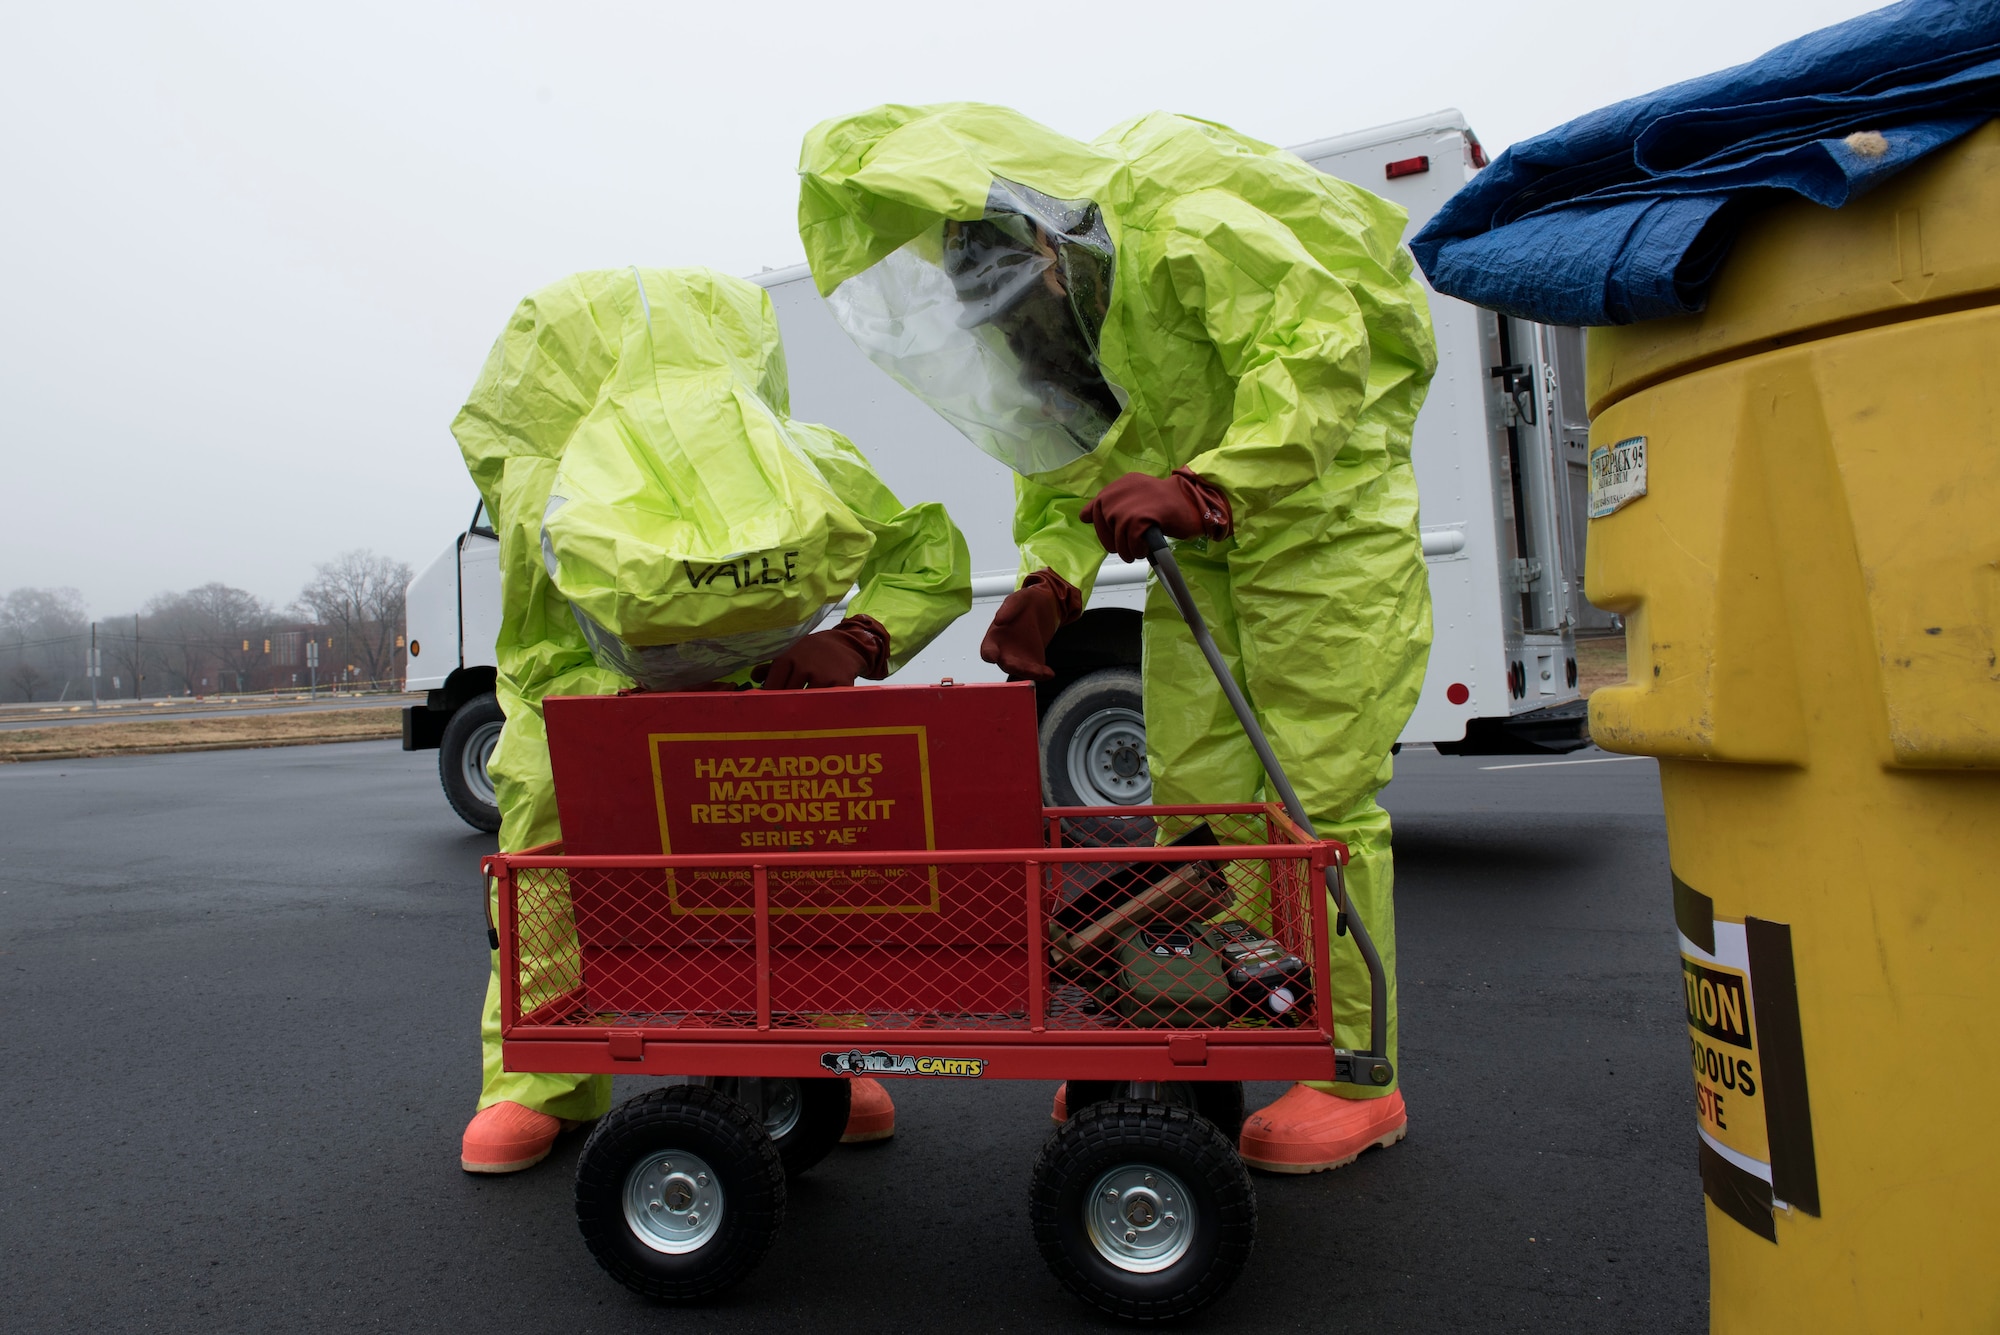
1060, 1112
506, 1137
1306, 1131
871, 1115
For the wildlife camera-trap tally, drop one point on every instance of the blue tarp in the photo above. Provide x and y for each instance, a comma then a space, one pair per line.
1625, 214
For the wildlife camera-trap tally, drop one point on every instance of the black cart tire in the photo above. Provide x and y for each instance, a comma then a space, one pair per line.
679, 1192
1142, 1210
1093, 741
464, 752
804, 1118
1081, 1094
1220, 1101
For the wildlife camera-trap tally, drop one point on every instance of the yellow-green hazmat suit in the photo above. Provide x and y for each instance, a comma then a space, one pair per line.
629, 426
1221, 307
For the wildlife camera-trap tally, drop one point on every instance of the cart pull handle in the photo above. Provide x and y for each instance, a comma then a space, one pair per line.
1162, 557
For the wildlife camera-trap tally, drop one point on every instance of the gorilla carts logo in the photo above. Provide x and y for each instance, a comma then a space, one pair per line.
856, 1062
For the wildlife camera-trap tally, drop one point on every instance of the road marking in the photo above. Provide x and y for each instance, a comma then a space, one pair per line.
1549, 764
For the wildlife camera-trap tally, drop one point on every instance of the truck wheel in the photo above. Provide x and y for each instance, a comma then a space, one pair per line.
803, 1118
1094, 742
463, 753
1142, 1210
679, 1192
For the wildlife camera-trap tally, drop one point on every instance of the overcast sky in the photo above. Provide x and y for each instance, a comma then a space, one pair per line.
254, 255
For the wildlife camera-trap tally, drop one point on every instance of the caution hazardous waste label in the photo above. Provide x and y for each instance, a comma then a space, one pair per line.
1722, 1043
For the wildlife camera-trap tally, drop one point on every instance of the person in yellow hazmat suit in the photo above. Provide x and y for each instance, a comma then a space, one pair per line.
629, 425
1175, 325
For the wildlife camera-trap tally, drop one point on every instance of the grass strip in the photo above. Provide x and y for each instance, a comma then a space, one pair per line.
78, 741
1600, 662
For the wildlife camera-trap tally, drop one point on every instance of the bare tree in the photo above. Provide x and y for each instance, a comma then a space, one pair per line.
24, 676
174, 627
207, 638
233, 624
128, 655
358, 596
43, 634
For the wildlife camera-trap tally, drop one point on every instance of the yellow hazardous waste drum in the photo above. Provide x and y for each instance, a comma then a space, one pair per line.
1796, 506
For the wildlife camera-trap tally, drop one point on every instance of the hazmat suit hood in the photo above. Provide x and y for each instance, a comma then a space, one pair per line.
685, 525
1233, 267
967, 251
661, 516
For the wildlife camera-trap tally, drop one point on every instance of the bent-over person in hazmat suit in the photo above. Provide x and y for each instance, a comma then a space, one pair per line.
1175, 325
627, 423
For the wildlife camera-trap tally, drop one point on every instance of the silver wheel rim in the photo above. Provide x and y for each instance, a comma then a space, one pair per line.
1139, 1218
782, 1106
478, 751
672, 1202
1107, 759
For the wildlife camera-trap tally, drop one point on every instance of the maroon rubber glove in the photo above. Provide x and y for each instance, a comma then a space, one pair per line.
1182, 505
1018, 640
857, 647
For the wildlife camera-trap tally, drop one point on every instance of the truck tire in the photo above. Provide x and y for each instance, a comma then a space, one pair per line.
1093, 740
463, 753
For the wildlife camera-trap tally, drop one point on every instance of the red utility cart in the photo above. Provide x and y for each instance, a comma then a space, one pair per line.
859, 883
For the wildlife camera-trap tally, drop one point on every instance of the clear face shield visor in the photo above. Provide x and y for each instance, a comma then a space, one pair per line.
994, 322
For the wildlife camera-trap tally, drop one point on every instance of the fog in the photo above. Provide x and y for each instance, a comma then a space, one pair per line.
255, 255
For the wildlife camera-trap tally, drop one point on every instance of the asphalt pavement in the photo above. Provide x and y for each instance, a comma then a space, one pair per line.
241, 994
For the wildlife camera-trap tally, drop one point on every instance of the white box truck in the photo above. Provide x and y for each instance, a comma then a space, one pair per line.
1500, 458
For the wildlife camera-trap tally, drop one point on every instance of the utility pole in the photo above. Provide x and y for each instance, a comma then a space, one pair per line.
312, 662
137, 671
95, 664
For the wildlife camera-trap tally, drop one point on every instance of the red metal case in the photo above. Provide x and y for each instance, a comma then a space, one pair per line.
902, 769
888, 767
